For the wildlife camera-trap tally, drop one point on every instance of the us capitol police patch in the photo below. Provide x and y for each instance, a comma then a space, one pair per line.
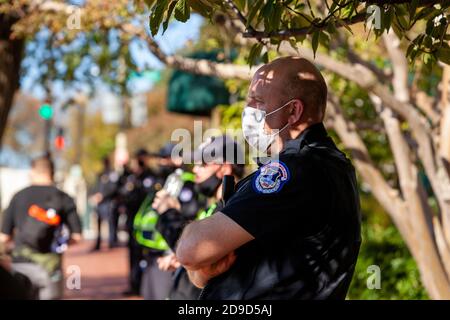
271, 177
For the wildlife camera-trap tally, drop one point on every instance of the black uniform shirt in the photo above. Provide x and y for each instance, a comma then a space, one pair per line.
108, 184
303, 211
135, 189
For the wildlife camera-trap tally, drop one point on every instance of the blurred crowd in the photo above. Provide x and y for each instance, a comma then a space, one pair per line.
152, 197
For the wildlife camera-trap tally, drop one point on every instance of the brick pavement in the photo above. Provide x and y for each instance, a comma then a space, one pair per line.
103, 273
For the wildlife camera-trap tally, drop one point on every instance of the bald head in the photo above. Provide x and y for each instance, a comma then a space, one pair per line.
296, 78
42, 166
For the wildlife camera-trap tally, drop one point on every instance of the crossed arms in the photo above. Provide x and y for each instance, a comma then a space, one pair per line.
206, 247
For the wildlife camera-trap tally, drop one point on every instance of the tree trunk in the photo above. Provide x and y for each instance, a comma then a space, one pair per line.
10, 58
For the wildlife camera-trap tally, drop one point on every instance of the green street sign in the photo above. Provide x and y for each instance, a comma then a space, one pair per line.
46, 111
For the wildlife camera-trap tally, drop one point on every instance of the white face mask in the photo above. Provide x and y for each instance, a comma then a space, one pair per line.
253, 127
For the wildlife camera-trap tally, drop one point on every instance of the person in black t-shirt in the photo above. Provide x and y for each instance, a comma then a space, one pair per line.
34, 220
292, 229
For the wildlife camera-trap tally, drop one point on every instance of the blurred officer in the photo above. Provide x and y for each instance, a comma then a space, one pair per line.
155, 283
137, 186
292, 229
211, 165
121, 198
35, 217
105, 199
166, 164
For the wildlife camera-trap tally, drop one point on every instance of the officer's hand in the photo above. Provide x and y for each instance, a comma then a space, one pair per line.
219, 267
96, 198
201, 277
75, 238
163, 202
168, 263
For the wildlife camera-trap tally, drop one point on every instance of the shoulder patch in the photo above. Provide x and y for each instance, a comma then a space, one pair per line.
186, 195
148, 182
271, 177
114, 177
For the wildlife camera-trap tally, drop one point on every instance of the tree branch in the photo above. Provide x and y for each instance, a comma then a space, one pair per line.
197, 66
239, 14
285, 34
354, 58
366, 79
401, 92
388, 197
419, 215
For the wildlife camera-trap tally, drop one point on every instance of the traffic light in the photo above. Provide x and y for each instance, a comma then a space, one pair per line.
46, 111
59, 139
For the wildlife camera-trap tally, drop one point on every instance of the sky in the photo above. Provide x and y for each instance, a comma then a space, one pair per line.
173, 39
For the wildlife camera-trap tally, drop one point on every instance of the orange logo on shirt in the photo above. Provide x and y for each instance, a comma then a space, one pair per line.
47, 216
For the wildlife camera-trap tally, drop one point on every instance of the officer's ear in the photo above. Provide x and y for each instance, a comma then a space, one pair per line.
296, 111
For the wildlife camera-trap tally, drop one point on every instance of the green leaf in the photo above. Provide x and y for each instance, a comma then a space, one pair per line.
331, 28
300, 22
254, 54
276, 16
402, 21
426, 13
443, 54
157, 15
253, 11
315, 41
150, 3
412, 7
344, 24
386, 19
427, 42
409, 50
397, 30
267, 13
324, 39
426, 58
201, 8
240, 4
182, 11
168, 15
293, 43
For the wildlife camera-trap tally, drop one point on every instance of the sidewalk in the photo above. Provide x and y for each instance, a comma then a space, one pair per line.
103, 273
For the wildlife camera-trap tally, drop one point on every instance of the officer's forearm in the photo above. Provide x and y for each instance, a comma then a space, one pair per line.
206, 242
187, 248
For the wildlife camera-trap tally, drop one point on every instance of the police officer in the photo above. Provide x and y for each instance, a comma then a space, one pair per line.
292, 229
136, 187
155, 283
211, 165
105, 199
166, 163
